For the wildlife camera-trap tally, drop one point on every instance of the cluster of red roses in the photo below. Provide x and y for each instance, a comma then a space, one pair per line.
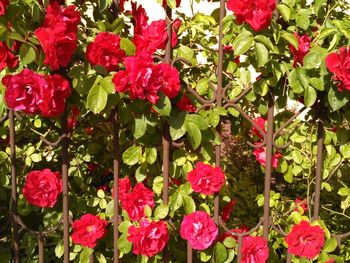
58, 34
260, 153
33, 93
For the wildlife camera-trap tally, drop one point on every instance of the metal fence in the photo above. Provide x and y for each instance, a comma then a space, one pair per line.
221, 100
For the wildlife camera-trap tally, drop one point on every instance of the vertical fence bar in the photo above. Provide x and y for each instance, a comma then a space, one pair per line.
319, 165
239, 249
166, 133
41, 248
15, 246
65, 166
218, 96
116, 164
268, 167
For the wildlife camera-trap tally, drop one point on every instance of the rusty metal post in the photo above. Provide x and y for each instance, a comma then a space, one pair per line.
239, 249
268, 166
319, 165
15, 245
166, 134
116, 164
41, 248
65, 166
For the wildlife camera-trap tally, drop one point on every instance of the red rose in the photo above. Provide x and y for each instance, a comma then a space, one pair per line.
257, 13
42, 188
3, 5
88, 229
260, 155
185, 104
54, 96
305, 240
140, 18
199, 229
254, 250
339, 64
124, 187
105, 51
261, 124
227, 210
58, 35
303, 48
23, 91
149, 238
72, 120
169, 79
206, 179
301, 203
7, 59
135, 201
143, 79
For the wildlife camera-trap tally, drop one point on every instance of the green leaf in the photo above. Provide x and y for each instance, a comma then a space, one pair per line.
242, 43
163, 106
198, 120
124, 226
309, 96
139, 127
151, 154
161, 211
330, 245
264, 40
262, 55
101, 194
59, 249
220, 253
230, 242
194, 134
107, 84
104, 4
147, 211
128, 46
100, 257
97, 99
177, 127
291, 39
303, 21
337, 99
123, 244
171, 3
345, 151
187, 53
85, 254
189, 204
205, 256
284, 11
132, 155
27, 54
110, 209
312, 60
157, 186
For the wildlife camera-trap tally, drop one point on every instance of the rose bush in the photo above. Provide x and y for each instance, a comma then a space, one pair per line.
95, 64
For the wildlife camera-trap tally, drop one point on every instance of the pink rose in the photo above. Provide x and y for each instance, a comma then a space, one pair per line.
42, 188
339, 64
303, 48
227, 210
206, 179
135, 201
254, 250
168, 78
261, 124
3, 5
124, 187
149, 238
256, 13
305, 240
199, 229
260, 155
23, 91
301, 203
105, 51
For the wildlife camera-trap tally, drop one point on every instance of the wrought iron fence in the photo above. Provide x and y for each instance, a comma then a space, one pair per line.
220, 100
